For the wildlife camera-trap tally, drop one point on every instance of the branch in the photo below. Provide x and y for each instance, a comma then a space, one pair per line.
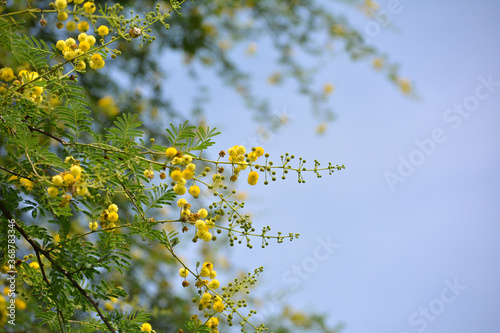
61, 141
47, 255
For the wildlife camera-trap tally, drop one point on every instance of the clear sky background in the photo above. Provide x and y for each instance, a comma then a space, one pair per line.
400, 248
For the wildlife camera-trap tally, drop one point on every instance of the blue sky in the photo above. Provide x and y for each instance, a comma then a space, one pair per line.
418, 256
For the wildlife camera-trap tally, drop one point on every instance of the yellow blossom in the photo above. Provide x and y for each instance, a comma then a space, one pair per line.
83, 26
35, 265
89, 7
70, 25
6, 74
194, 191
62, 16
91, 40
253, 178
113, 208
181, 203
179, 189
187, 174
93, 226
146, 327
176, 175
60, 4
219, 306
183, 272
112, 217
103, 30
76, 171
171, 152
81, 65
214, 284
203, 213
53, 191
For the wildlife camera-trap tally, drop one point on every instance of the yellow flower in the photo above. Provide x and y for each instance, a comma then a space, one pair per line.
171, 152
176, 175
108, 306
60, 4
91, 40
113, 208
6, 74
181, 203
27, 183
81, 65
203, 213
78, 2
112, 217
82, 190
328, 88
103, 30
187, 174
194, 191
214, 284
93, 225
62, 16
35, 265
84, 46
53, 191
20, 304
96, 61
183, 272
76, 171
89, 7
186, 159
146, 327
60, 45
378, 63
405, 86
83, 26
70, 25
179, 189
213, 322
191, 166
253, 178
219, 306
213, 274
68, 179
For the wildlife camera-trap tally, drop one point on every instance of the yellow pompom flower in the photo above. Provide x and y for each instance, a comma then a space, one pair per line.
35, 265
146, 327
171, 152
328, 88
20, 304
91, 40
113, 217
6, 74
113, 208
203, 213
81, 65
183, 272
179, 189
68, 179
60, 45
96, 61
82, 26
176, 175
71, 26
53, 191
253, 178
82, 190
219, 306
78, 2
213, 274
405, 86
57, 180
89, 7
191, 166
93, 226
213, 322
214, 284
108, 306
186, 159
181, 203
76, 171
194, 191
62, 16
27, 183
103, 30
60, 4
82, 37
187, 174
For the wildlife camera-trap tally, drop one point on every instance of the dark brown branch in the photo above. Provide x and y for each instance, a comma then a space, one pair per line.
47, 255
14, 173
61, 141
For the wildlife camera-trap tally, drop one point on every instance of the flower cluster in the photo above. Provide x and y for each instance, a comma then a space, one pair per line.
107, 218
71, 181
33, 91
71, 50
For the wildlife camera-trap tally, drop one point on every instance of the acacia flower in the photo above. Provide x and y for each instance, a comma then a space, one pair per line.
146, 327
253, 178
57, 180
70, 25
183, 272
53, 191
89, 7
194, 191
103, 30
60, 4
171, 152
219, 306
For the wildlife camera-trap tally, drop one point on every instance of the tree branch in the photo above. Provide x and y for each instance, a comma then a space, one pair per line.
47, 255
